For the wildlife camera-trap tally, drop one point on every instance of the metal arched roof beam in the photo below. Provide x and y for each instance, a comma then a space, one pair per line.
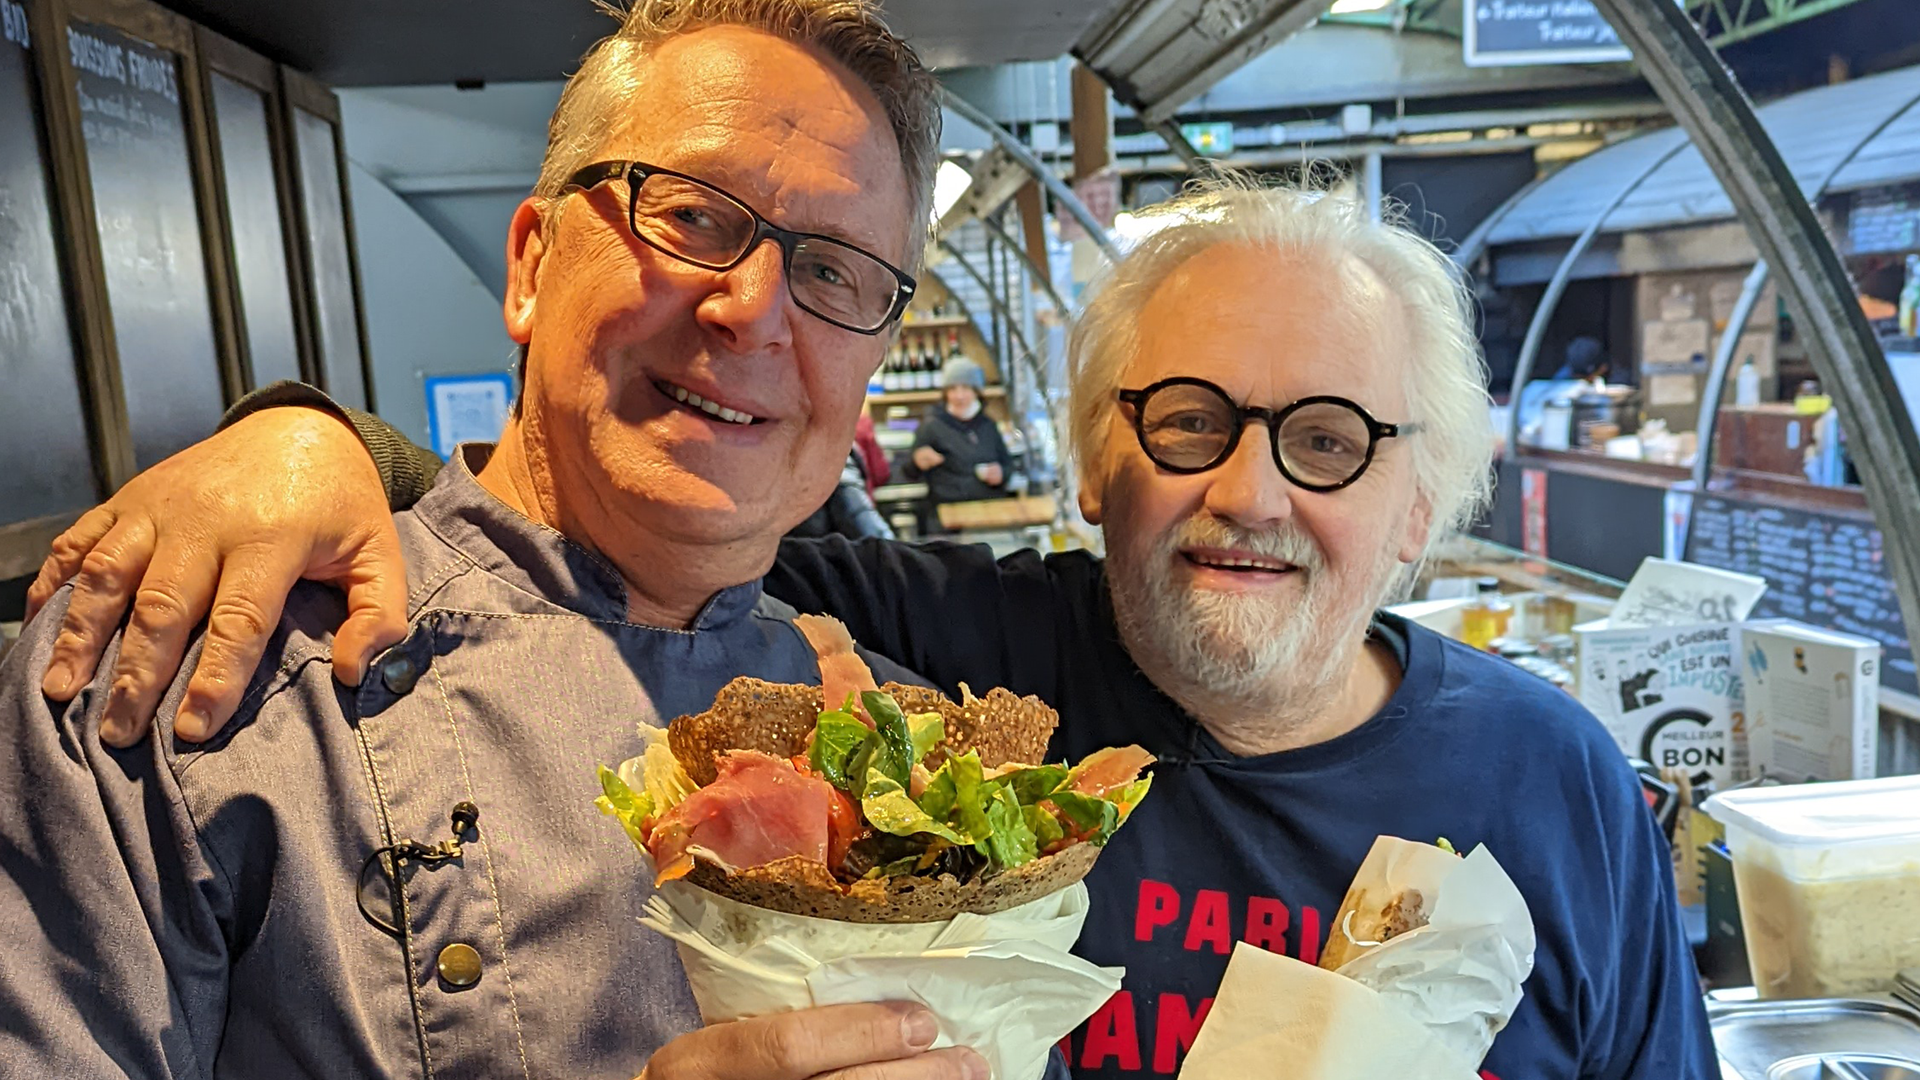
1061, 193
1743, 311
1041, 275
993, 295
1846, 354
1476, 241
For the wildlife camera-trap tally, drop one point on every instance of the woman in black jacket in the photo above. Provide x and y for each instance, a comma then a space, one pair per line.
958, 448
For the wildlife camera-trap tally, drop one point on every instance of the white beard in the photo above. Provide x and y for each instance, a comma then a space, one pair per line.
1215, 647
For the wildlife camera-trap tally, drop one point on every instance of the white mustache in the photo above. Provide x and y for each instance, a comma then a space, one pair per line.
1288, 543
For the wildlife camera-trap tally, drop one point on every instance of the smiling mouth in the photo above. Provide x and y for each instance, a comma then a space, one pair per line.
698, 404
1237, 563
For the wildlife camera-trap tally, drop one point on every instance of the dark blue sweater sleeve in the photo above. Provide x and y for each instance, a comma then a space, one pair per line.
1655, 1028
949, 611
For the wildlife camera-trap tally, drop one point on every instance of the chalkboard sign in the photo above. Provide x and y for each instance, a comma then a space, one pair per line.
1539, 32
135, 132
1822, 568
1884, 219
326, 221
259, 243
43, 431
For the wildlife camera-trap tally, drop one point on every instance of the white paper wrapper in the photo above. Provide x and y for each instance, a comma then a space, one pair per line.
1460, 975
1277, 1017
1003, 984
1430, 1000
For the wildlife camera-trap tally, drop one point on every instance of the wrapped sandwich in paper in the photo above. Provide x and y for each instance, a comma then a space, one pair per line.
1423, 968
817, 845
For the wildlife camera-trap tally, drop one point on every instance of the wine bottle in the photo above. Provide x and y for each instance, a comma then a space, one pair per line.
890, 376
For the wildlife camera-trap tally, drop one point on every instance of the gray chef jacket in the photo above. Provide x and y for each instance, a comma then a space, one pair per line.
176, 910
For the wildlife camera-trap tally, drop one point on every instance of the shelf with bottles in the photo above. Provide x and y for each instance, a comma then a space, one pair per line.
916, 357
935, 330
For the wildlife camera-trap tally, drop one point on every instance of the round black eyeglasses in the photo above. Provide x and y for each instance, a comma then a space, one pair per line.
1321, 443
698, 223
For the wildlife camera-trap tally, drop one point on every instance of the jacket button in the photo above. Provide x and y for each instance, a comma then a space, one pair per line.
399, 673
459, 965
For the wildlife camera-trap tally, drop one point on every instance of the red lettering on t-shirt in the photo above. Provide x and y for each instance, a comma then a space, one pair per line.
1174, 1029
1112, 1033
1267, 924
1309, 935
1485, 1075
1209, 924
1159, 906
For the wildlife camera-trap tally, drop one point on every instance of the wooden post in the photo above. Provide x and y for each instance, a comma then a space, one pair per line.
1092, 125
1033, 222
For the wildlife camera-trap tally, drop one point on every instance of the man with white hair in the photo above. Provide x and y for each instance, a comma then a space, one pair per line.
1278, 409
407, 879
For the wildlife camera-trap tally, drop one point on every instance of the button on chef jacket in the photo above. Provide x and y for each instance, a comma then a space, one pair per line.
1261, 849
189, 911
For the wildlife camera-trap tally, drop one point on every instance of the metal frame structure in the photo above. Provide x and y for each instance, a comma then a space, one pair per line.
1846, 354
1020, 153
1674, 55
1749, 298
1557, 286
1724, 22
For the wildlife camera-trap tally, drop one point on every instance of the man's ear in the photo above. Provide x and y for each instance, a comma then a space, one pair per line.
1413, 544
1093, 493
526, 247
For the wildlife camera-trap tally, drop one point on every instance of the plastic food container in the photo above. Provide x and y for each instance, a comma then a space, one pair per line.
1829, 883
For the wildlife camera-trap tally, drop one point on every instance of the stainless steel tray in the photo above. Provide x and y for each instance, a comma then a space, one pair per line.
1876, 1037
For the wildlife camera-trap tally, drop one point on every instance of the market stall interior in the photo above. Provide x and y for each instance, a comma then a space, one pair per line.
1706, 524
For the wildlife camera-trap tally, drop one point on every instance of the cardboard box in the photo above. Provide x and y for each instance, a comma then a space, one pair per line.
1677, 342
1813, 702
1670, 695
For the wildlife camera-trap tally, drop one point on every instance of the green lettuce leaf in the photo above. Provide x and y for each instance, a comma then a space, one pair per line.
895, 868
630, 808
861, 764
1044, 826
893, 753
1010, 841
655, 774
1030, 785
938, 797
891, 810
970, 796
1129, 796
1095, 816
837, 738
925, 730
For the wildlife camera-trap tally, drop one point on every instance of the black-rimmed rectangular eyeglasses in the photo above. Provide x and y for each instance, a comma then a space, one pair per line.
1321, 443
700, 224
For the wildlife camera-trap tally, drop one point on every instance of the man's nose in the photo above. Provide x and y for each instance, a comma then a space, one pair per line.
748, 305
1247, 488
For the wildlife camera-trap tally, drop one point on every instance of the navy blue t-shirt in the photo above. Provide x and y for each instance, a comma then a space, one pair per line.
1261, 849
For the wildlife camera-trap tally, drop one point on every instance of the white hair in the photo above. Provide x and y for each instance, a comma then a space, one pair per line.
1445, 377
851, 32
